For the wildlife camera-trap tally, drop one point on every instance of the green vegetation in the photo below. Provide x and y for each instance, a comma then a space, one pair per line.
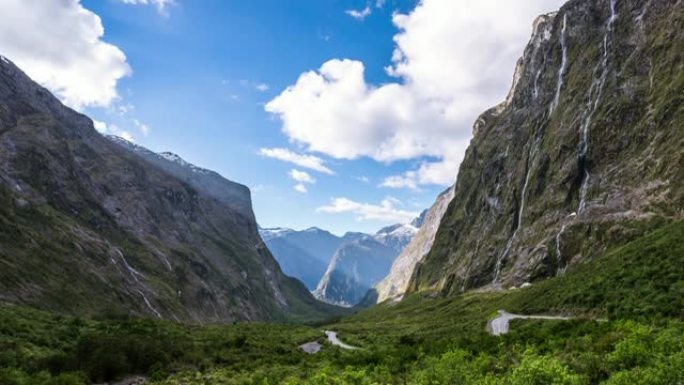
421, 340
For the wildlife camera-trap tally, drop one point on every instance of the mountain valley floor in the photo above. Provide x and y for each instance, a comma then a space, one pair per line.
424, 339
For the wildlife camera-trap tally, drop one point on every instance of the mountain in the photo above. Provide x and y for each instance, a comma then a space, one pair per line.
209, 182
355, 267
319, 243
297, 262
304, 255
395, 283
307, 254
94, 226
398, 236
585, 154
362, 261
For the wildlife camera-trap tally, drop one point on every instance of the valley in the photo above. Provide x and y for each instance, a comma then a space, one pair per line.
554, 255
420, 340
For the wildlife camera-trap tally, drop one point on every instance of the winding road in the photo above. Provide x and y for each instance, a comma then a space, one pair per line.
315, 347
332, 338
500, 325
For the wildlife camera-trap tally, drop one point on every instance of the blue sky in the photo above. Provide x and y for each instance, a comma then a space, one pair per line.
195, 73
384, 115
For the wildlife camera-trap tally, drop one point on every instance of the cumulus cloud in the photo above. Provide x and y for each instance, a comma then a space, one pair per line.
162, 5
387, 211
453, 59
59, 44
307, 161
262, 87
359, 14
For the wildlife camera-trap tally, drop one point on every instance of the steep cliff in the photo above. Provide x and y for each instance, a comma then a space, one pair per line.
587, 151
394, 285
93, 228
361, 261
355, 268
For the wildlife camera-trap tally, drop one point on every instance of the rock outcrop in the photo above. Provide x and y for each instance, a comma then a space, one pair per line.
394, 285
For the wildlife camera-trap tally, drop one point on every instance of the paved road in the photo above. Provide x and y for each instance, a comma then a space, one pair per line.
499, 325
315, 347
332, 337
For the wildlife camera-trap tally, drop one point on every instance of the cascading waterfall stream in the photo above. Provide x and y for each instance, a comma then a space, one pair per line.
596, 88
149, 305
564, 63
531, 155
559, 256
534, 148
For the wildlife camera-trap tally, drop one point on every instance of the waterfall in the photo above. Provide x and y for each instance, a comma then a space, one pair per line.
597, 88
536, 83
502, 256
559, 256
530, 162
149, 305
564, 63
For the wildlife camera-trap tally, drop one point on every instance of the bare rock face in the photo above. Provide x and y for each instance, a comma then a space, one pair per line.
90, 226
396, 282
355, 268
586, 152
361, 261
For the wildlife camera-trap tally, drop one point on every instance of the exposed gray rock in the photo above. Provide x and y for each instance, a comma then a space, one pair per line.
396, 282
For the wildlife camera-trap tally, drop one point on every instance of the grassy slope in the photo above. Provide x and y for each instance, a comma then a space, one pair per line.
421, 340
641, 280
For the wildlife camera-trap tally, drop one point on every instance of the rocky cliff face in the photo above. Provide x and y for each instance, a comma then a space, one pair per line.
585, 153
362, 261
233, 195
355, 268
394, 285
90, 227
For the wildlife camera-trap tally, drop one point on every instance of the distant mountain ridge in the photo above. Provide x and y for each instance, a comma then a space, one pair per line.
355, 267
361, 262
318, 258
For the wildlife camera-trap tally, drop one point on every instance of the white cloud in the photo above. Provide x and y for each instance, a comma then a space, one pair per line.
111, 129
161, 5
359, 14
453, 60
144, 128
262, 87
386, 211
307, 161
59, 44
301, 176
300, 187
124, 109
